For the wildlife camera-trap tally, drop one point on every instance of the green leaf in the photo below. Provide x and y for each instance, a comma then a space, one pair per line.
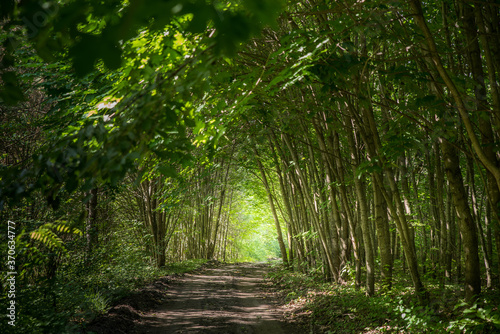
167, 171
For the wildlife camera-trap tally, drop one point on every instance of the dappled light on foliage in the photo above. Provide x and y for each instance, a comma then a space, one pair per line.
353, 145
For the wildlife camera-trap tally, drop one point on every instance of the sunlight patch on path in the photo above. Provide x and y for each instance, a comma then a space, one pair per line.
219, 300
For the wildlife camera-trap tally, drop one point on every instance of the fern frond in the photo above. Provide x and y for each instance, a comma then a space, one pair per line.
48, 238
46, 234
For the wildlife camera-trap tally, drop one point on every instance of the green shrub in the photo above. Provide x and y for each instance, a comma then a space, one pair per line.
475, 319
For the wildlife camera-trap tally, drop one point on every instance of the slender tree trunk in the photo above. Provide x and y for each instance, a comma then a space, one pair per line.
92, 228
369, 132
273, 209
314, 213
363, 211
490, 165
349, 228
384, 238
466, 222
477, 219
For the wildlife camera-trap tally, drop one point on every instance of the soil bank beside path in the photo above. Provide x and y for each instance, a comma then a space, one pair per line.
226, 299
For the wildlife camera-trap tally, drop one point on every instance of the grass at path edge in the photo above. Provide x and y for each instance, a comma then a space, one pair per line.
322, 307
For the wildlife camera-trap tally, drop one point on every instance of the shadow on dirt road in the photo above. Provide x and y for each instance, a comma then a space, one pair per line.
226, 299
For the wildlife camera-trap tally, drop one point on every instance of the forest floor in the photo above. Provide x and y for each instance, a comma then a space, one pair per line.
219, 298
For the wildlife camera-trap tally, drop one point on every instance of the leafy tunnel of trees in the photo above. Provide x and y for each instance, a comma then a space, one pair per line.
366, 133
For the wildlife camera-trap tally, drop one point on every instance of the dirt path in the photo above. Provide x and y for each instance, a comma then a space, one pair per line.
227, 299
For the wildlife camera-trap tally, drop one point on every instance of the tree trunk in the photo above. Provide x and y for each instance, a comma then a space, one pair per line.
273, 209
466, 222
384, 238
92, 228
363, 211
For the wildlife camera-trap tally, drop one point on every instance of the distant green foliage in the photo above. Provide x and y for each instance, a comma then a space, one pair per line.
257, 233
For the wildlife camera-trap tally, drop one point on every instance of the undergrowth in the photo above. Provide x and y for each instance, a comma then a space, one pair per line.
341, 308
82, 289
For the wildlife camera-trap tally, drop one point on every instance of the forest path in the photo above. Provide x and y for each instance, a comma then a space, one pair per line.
226, 299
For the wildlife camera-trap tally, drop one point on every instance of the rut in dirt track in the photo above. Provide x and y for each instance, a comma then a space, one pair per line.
227, 299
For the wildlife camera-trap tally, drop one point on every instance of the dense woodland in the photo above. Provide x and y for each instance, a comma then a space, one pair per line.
358, 141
